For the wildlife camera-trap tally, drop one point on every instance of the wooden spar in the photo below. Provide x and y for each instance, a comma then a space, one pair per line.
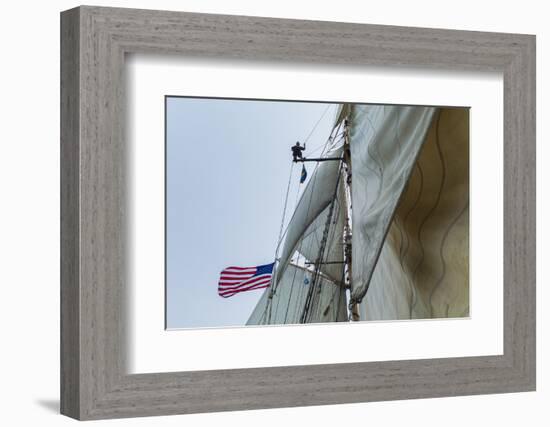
354, 311
319, 159
321, 274
326, 262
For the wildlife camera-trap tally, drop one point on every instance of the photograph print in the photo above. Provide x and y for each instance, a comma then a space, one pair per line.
293, 212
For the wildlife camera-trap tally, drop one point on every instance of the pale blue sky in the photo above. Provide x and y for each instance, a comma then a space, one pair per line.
228, 164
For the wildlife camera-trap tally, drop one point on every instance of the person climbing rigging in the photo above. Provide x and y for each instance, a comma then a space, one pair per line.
297, 151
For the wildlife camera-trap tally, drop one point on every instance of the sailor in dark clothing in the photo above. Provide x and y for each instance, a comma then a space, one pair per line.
297, 151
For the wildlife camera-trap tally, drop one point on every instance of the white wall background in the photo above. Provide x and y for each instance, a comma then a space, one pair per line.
29, 212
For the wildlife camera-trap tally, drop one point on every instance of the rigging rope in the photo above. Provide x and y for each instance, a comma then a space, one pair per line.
298, 250
327, 147
318, 261
284, 212
330, 142
317, 124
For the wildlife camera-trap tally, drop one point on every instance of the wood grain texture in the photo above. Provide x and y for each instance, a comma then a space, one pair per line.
70, 292
94, 382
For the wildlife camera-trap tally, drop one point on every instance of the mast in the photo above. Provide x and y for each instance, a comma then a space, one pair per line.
316, 284
344, 169
354, 311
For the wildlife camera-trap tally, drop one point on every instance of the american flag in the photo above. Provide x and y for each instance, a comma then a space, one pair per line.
241, 279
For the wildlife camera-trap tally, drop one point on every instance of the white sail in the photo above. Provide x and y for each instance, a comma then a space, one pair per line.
289, 298
333, 257
318, 194
410, 212
384, 143
329, 303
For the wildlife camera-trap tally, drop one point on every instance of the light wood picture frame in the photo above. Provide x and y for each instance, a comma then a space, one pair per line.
94, 382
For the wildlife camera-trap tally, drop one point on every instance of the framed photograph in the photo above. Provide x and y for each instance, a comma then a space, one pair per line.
262, 213
409, 202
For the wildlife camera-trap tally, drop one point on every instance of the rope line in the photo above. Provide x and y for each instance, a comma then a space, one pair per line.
317, 124
284, 211
330, 142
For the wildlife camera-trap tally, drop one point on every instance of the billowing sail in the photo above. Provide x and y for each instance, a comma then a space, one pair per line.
328, 303
317, 196
384, 143
410, 211
289, 298
333, 256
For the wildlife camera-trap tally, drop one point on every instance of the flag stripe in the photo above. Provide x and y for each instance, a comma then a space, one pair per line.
236, 276
244, 282
239, 272
236, 291
241, 288
248, 285
231, 293
247, 282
